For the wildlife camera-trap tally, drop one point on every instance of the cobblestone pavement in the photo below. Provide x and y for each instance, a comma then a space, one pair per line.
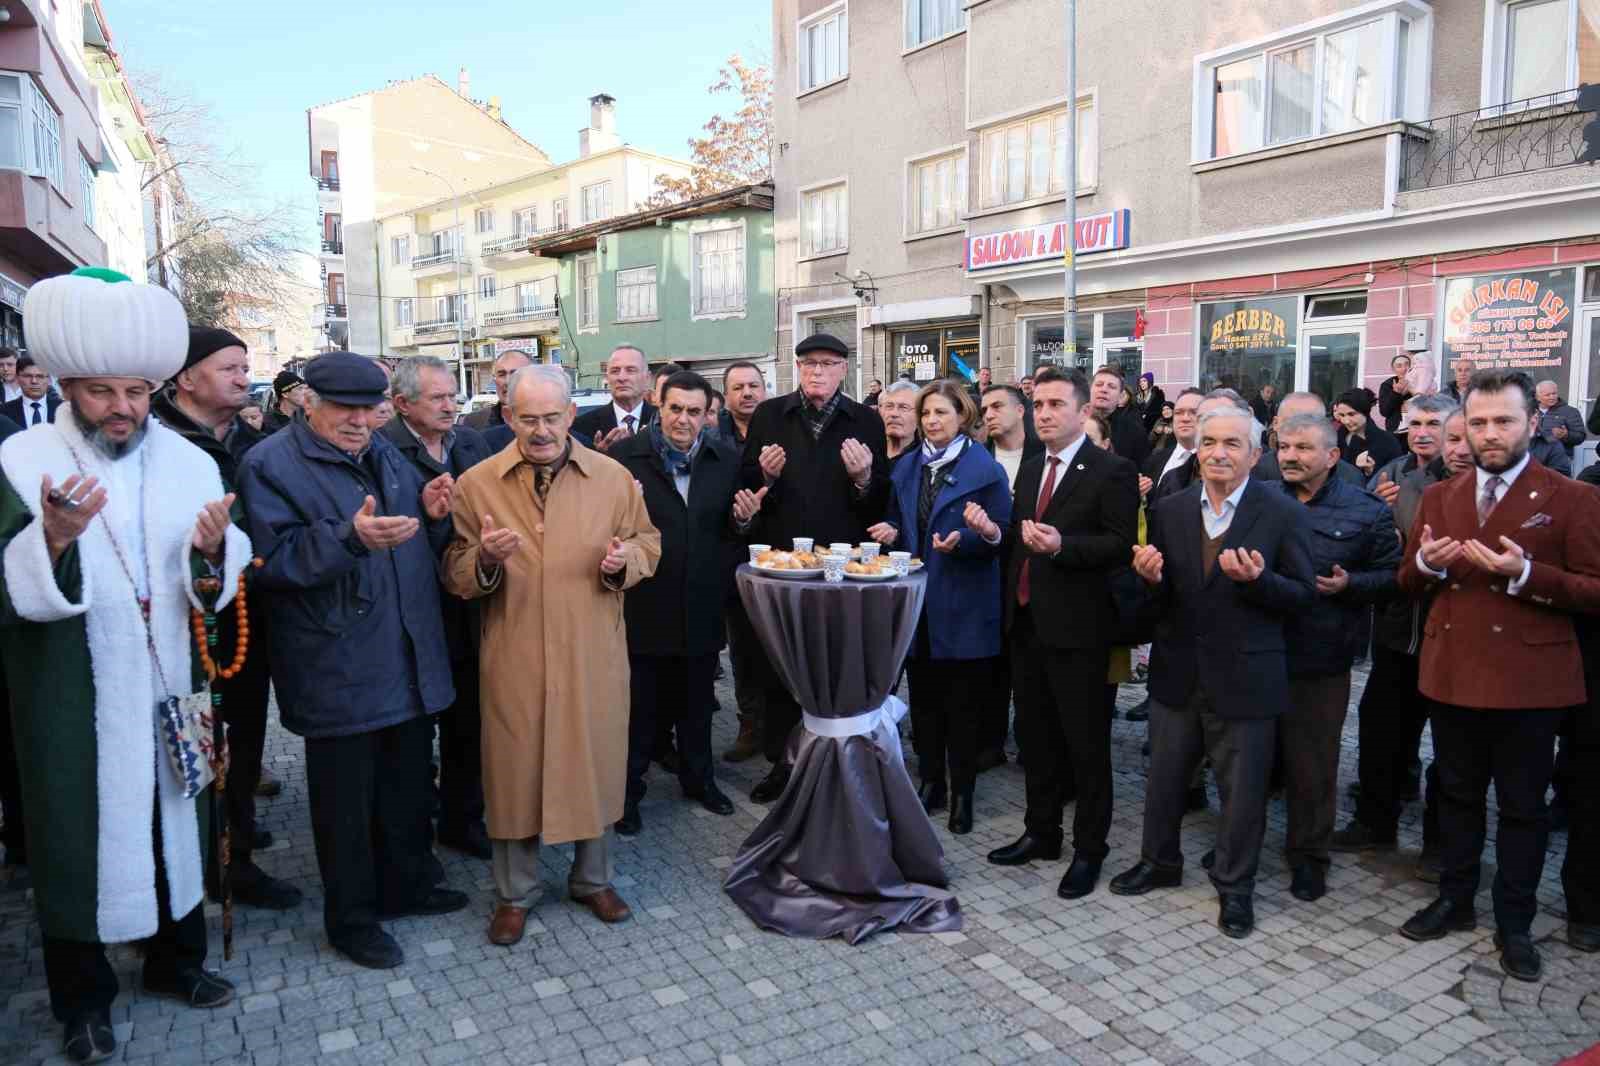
1032, 978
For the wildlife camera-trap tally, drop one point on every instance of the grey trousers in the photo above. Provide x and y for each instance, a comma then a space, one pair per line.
516, 869
1241, 752
1308, 743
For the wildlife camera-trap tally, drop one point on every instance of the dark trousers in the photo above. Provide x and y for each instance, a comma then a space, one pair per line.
745, 654
81, 979
1241, 751
995, 722
12, 835
675, 690
1580, 874
369, 820
461, 753
1514, 749
1308, 750
244, 708
946, 706
1393, 715
781, 713
1064, 735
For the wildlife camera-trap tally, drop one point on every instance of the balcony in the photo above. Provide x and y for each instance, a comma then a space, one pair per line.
332, 247
328, 184
516, 243
332, 311
534, 318
1540, 133
436, 325
435, 263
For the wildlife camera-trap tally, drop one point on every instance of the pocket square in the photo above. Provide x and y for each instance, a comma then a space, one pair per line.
1540, 519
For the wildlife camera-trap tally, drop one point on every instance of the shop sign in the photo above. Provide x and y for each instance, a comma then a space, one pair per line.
1246, 328
1516, 321
1106, 232
11, 292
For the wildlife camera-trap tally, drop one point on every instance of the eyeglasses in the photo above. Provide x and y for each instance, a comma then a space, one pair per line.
816, 366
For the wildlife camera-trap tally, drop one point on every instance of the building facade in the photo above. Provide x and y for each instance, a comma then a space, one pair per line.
1290, 193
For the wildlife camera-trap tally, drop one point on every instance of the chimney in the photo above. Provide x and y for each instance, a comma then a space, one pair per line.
601, 134
464, 84
494, 108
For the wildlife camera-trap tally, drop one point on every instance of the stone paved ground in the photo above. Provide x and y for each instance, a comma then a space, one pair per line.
1102, 980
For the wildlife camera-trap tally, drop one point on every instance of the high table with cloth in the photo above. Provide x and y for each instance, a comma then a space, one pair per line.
847, 850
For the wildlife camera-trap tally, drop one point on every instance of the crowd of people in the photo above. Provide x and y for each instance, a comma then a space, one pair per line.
547, 596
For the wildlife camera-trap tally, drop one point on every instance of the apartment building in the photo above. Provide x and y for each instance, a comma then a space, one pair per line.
390, 150
1284, 192
458, 273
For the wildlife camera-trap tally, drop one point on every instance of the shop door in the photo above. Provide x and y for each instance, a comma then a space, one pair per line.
1330, 361
1586, 390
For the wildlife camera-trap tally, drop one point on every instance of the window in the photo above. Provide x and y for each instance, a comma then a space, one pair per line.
825, 220
636, 294
1101, 338
532, 295
1336, 305
330, 166
86, 181
824, 48
1310, 82
447, 308
1027, 159
486, 287
558, 213
525, 222
929, 20
597, 201
12, 156
336, 288
402, 312
270, 338
1544, 47
400, 250
588, 293
938, 193
444, 242
483, 220
30, 130
332, 230
718, 281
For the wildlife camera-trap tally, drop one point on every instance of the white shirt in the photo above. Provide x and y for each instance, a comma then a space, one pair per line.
1217, 524
1010, 461
12, 391
1179, 456
1506, 481
28, 411
637, 414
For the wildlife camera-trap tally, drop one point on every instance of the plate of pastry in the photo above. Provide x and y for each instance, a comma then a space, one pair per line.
792, 566
877, 570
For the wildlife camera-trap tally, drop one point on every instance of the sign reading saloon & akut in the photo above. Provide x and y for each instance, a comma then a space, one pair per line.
1107, 232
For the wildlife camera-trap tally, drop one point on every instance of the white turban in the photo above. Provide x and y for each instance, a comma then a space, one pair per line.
97, 324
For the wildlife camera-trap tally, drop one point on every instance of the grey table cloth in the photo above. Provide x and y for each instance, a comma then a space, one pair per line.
847, 850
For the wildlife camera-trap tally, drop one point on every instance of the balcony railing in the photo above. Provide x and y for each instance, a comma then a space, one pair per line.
334, 311
433, 259
1492, 142
521, 314
505, 244
329, 184
333, 247
436, 325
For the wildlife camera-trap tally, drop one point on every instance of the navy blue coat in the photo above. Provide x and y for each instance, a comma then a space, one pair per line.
356, 637
1353, 529
964, 585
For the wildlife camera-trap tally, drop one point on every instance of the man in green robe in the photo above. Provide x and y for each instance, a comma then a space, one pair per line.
106, 518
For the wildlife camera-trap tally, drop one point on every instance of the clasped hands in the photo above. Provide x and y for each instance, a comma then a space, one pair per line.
1239, 564
1441, 552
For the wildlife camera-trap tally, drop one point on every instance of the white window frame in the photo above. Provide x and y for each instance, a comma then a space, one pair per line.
911, 208
908, 45
483, 220
1417, 69
1496, 42
806, 251
840, 12
603, 191
588, 317
697, 232
38, 147
86, 178
1050, 111
525, 221
631, 283
558, 213
403, 313
527, 294
19, 108
488, 286
400, 250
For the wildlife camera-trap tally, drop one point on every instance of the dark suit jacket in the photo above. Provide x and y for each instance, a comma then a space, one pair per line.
1095, 505
19, 409
814, 497
1482, 647
484, 419
1223, 635
8, 427
1130, 437
598, 421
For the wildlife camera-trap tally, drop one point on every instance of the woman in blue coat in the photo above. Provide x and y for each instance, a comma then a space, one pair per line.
960, 624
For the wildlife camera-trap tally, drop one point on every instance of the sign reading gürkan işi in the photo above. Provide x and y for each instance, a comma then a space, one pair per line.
1028, 244
1519, 321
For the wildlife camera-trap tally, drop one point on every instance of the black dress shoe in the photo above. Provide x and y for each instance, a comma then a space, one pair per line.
253, 887
434, 901
1141, 712
772, 786
931, 794
961, 813
471, 840
1559, 817
1142, 877
1358, 837
1209, 859
370, 947
261, 841
1236, 916
1309, 883
990, 758
194, 986
712, 799
1583, 937
1196, 799
1439, 918
1026, 848
88, 1038
1080, 878
630, 823
1518, 957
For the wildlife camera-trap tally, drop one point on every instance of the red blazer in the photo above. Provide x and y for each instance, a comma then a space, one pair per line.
1481, 647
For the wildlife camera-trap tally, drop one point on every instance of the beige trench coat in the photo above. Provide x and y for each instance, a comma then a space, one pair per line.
554, 655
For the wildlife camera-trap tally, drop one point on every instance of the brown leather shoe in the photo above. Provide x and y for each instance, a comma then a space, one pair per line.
505, 928
606, 905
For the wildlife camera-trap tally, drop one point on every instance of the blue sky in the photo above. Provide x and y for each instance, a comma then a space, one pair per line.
259, 66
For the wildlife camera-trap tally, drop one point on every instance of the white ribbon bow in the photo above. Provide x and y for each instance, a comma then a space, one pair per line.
888, 715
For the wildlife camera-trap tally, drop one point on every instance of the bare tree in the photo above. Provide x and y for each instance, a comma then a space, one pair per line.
736, 150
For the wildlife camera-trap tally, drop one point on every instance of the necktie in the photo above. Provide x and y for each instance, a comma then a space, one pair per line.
628, 424
1487, 501
1038, 512
930, 490
37, 415
541, 482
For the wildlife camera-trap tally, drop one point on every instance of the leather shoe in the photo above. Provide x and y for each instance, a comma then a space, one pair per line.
1142, 877
606, 905
932, 796
772, 786
1438, 918
1026, 848
990, 758
961, 813
469, 840
254, 887
434, 901
194, 986
1141, 712
1196, 799
268, 786
261, 840
507, 924
1357, 837
1583, 937
1236, 916
1079, 879
88, 1037
370, 947
630, 823
1309, 882
1518, 957
713, 800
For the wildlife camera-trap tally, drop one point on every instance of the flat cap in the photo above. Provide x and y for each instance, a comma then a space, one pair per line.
822, 342
347, 378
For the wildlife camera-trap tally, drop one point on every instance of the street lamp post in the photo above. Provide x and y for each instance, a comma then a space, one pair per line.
461, 296
1069, 317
